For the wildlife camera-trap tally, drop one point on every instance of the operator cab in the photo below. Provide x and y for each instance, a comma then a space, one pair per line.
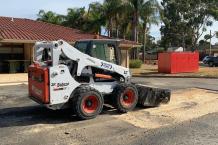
106, 50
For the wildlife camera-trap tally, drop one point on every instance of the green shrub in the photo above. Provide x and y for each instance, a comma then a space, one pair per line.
135, 63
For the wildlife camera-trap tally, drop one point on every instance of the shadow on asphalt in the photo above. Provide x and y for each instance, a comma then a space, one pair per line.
31, 115
36, 114
109, 110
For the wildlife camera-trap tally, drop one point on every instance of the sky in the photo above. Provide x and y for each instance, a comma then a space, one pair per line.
30, 8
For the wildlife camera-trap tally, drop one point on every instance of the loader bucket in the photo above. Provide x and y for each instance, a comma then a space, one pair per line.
151, 96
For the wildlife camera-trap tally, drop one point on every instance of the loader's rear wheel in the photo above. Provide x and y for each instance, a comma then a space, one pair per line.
125, 97
87, 102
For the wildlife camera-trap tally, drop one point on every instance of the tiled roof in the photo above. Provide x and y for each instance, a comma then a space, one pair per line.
26, 29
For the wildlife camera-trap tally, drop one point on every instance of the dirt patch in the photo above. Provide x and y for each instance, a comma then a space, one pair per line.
13, 78
185, 105
39, 128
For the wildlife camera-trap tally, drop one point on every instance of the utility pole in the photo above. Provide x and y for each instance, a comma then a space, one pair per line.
210, 43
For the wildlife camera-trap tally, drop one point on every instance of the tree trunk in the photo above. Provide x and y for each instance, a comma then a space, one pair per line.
134, 32
117, 32
110, 29
144, 42
117, 29
194, 43
124, 35
134, 26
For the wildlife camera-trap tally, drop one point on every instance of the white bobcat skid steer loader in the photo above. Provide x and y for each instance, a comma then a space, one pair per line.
86, 77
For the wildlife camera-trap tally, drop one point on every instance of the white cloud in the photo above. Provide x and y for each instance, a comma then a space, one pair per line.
213, 29
155, 32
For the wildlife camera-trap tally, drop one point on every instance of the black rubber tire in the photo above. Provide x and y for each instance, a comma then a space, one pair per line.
118, 93
211, 64
82, 93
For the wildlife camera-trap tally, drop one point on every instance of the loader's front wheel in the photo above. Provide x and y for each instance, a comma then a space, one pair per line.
87, 102
125, 97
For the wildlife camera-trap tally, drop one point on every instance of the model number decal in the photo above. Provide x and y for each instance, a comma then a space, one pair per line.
106, 65
59, 86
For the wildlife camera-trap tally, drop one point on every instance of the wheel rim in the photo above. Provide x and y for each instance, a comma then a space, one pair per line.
90, 104
128, 98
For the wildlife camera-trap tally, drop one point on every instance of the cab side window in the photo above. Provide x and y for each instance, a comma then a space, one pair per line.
110, 53
104, 52
81, 46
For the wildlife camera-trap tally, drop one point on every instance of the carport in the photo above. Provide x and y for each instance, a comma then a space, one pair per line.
15, 57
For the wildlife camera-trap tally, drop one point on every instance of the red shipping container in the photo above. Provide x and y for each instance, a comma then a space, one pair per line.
178, 62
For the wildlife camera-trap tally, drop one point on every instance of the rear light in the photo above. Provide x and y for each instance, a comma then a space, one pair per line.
41, 78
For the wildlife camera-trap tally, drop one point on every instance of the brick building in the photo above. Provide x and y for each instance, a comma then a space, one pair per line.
17, 38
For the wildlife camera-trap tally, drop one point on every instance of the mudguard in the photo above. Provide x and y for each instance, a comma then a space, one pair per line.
151, 96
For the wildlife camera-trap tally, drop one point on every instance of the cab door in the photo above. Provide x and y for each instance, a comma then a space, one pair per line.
106, 51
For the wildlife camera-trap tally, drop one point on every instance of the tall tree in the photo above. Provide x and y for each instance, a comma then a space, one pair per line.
134, 6
50, 17
143, 13
149, 15
122, 18
95, 18
75, 18
185, 21
112, 10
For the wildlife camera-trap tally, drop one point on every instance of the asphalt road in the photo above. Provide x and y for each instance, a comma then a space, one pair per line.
24, 122
200, 131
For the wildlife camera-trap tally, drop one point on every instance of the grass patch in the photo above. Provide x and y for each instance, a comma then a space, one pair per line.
135, 63
153, 70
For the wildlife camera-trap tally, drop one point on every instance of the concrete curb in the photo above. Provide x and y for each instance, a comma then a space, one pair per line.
162, 76
13, 83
